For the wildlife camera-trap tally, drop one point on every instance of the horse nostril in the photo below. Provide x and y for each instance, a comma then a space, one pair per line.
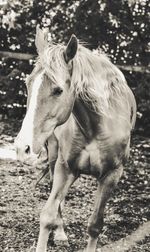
27, 149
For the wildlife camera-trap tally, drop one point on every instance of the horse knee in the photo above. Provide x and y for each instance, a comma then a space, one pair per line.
48, 219
94, 228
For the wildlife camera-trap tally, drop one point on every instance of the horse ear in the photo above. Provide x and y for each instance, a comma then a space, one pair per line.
71, 49
41, 39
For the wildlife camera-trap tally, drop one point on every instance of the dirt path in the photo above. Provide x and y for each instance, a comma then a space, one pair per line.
126, 211
130, 241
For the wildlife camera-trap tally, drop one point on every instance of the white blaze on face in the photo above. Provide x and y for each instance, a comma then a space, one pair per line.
27, 130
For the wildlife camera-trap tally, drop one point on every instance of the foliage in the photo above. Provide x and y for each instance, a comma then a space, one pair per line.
120, 28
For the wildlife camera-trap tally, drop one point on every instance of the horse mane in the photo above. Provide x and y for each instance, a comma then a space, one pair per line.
95, 80
102, 86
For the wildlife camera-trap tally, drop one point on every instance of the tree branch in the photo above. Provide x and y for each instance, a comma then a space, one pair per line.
27, 56
19, 56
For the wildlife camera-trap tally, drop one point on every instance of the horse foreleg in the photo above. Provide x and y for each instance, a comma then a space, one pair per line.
50, 216
59, 235
52, 149
95, 225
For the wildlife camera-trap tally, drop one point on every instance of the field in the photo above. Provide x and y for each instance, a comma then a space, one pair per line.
127, 217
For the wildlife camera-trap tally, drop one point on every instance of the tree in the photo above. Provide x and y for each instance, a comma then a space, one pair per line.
120, 28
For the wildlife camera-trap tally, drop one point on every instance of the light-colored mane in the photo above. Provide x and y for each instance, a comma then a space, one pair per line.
94, 79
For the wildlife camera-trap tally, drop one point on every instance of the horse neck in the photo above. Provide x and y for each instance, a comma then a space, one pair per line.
87, 120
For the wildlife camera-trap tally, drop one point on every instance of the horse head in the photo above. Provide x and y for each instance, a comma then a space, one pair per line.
50, 94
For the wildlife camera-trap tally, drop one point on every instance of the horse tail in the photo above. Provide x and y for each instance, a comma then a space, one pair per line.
133, 110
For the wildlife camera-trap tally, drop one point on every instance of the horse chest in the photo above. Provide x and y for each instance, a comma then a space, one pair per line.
89, 160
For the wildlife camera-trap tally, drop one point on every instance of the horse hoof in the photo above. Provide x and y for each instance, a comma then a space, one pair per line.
60, 237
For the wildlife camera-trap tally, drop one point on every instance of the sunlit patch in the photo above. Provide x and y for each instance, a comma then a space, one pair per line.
130, 241
7, 152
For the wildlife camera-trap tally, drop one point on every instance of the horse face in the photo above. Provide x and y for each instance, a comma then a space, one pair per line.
49, 104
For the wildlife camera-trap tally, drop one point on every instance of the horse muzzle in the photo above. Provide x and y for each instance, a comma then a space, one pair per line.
25, 154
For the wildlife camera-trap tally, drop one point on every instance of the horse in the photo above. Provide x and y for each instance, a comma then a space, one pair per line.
78, 103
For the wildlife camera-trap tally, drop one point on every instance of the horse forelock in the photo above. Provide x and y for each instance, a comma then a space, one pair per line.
53, 62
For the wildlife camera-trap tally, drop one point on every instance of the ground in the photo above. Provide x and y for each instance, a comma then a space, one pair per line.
127, 219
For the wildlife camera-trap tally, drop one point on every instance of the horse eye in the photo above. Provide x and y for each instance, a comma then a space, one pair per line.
57, 91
